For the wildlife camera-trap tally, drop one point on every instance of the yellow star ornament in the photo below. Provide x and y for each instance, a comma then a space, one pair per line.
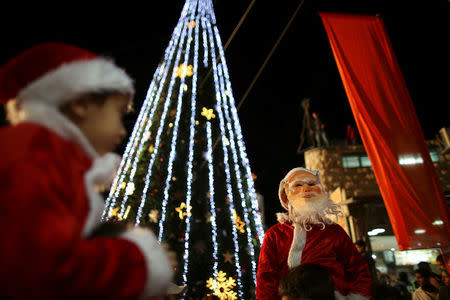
115, 212
180, 211
208, 113
191, 24
239, 224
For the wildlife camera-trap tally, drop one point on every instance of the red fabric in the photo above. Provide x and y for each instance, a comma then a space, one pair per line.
43, 58
331, 248
43, 209
389, 129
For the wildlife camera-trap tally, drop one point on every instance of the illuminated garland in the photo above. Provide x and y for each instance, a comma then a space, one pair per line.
190, 157
158, 136
225, 160
211, 197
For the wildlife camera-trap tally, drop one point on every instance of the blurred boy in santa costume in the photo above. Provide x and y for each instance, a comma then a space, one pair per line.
66, 106
305, 235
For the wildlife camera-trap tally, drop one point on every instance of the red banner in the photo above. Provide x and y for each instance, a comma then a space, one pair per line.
390, 130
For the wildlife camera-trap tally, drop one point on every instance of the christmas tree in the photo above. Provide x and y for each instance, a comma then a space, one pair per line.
185, 171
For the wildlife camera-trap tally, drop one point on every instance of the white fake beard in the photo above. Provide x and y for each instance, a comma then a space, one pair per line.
314, 211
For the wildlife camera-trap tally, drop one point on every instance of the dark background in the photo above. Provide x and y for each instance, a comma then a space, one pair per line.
136, 35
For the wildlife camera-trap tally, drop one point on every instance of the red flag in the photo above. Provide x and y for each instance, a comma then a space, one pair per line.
390, 130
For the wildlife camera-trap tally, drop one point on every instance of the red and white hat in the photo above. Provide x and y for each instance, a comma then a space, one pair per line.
55, 73
281, 191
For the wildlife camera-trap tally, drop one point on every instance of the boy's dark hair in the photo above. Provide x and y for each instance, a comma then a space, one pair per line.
99, 96
440, 259
307, 281
423, 272
424, 265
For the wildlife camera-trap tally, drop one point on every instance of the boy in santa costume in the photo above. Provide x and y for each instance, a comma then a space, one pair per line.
68, 105
305, 235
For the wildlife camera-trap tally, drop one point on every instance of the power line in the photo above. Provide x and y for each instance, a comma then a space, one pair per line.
244, 97
270, 54
229, 40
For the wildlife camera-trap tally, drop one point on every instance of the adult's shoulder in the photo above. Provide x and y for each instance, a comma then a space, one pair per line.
280, 228
335, 228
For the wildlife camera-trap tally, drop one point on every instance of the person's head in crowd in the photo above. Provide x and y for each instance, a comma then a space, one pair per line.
307, 282
440, 262
385, 279
424, 265
403, 277
445, 278
361, 246
422, 276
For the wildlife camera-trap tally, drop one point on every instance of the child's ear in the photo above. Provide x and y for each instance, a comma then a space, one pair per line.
77, 108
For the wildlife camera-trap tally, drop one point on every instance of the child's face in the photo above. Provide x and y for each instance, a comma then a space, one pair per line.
102, 123
445, 278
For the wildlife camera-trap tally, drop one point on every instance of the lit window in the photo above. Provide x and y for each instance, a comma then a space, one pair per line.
434, 156
350, 161
365, 161
356, 161
410, 159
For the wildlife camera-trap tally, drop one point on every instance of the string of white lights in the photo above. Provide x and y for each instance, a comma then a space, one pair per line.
137, 141
130, 148
237, 171
212, 205
161, 125
205, 42
136, 132
191, 154
225, 160
241, 144
164, 70
210, 10
175, 132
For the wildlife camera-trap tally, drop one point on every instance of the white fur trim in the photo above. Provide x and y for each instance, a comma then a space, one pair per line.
159, 272
103, 168
298, 169
73, 79
297, 246
338, 296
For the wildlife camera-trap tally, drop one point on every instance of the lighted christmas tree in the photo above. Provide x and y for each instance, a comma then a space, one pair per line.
185, 170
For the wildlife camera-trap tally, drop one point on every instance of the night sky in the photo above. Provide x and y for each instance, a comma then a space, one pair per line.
136, 35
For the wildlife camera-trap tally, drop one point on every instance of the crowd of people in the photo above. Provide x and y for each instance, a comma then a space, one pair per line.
425, 284
313, 282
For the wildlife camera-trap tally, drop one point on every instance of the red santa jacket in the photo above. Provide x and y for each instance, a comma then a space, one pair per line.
330, 247
45, 206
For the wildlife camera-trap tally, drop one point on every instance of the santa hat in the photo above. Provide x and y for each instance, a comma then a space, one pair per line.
281, 191
55, 73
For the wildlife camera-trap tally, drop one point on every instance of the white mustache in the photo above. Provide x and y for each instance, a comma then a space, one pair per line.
309, 194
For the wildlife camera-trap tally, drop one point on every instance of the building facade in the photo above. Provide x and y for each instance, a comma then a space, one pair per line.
346, 171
